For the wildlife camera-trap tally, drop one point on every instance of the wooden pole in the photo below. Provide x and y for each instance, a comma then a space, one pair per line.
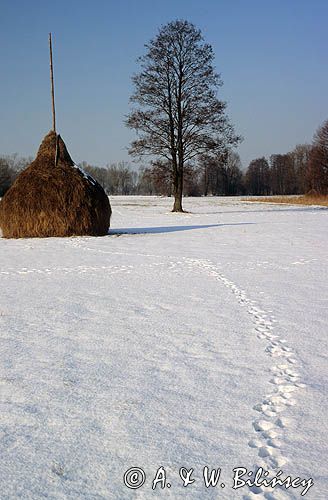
52, 87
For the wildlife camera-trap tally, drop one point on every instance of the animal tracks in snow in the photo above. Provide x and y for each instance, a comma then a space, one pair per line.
65, 270
271, 423
80, 270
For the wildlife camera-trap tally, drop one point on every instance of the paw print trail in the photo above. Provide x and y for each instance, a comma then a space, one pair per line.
270, 424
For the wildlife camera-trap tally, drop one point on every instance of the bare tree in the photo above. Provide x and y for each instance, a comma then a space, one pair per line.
221, 174
161, 176
232, 174
10, 166
283, 177
301, 156
258, 177
145, 182
317, 173
211, 167
179, 115
6, 176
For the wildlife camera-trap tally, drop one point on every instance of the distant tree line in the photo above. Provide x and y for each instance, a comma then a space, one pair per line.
10, 166
302, 170
280, 175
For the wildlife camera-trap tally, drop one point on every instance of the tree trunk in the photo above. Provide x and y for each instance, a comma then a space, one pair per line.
178, 175
178, 189
206, 182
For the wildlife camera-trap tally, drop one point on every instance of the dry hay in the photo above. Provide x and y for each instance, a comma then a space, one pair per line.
53, 197
311, 198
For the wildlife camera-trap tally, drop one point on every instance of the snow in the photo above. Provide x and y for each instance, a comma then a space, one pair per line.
179, 340
88, 177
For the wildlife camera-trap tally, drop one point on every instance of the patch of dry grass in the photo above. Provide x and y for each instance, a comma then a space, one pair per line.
305, 199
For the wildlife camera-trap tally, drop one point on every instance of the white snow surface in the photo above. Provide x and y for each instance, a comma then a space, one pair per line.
178, 340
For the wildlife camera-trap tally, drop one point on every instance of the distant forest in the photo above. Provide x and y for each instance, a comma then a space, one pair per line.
302, 170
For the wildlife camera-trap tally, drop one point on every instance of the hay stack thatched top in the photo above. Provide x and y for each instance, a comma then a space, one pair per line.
53, 197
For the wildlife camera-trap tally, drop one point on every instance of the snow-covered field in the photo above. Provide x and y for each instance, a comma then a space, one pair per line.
190, 340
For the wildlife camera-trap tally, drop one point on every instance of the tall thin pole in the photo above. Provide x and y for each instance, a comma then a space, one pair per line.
52, 87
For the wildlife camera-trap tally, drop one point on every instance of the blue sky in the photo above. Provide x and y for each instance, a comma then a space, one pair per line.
272, 56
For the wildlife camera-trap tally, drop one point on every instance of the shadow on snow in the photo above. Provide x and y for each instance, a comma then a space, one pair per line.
169, 229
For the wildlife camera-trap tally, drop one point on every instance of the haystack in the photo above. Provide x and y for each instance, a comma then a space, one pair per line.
53, 197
